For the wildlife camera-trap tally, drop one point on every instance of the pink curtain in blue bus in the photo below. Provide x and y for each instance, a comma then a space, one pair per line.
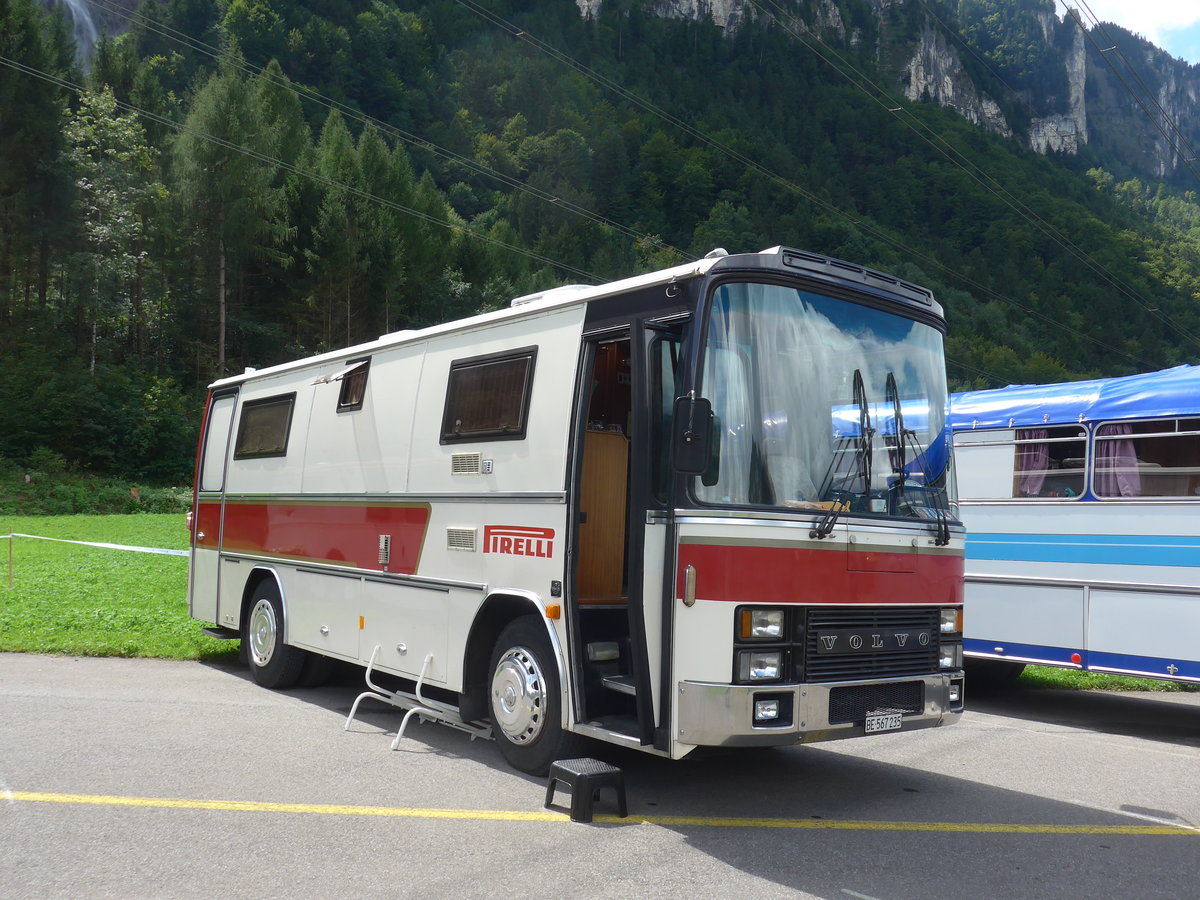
1032, 460
1116, 465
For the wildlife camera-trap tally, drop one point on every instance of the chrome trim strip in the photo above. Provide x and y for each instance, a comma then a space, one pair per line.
714, 714
803, 518
314, 568
383, 499
1150, 502
975, 654
1034, 581
1142, 674
614, 737
915, 548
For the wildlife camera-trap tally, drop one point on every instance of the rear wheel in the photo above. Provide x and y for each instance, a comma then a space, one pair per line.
273, 663
524, 699
992, 675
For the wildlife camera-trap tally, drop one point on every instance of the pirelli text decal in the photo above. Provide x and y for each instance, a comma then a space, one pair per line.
518, 540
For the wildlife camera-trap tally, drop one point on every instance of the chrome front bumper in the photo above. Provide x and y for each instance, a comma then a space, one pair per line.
722, 715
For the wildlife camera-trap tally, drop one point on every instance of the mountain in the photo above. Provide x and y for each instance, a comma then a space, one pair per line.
1012, 67
247, 182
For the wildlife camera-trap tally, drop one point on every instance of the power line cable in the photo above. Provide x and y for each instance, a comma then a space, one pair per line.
963, 42
570, 61
523, 35
935, 140
307, 173
1186, 154
967, 367
306, 93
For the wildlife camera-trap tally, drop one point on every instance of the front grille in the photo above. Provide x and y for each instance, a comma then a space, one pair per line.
852, 703
894, 663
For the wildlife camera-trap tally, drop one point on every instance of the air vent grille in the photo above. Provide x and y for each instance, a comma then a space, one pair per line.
460, 539
465, 463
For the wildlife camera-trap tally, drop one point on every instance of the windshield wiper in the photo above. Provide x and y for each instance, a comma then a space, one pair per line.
942, 524
896, 450
866, 434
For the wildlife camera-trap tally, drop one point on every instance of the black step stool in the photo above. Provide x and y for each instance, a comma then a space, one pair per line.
585, 778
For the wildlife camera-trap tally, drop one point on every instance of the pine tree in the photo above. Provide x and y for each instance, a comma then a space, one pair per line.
225, 171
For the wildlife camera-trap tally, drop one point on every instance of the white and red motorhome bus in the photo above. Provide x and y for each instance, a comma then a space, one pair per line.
705, 506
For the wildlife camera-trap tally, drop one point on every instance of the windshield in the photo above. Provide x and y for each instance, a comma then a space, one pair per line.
824, 404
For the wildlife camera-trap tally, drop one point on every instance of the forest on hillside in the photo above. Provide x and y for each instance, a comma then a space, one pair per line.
239, 183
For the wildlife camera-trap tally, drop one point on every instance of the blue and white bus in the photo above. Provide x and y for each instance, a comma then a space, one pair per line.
1082, 504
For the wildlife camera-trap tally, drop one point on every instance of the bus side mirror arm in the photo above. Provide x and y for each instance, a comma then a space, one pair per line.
692, 432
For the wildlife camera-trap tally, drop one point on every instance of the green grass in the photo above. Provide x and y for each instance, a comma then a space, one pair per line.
1073, 680
90, 601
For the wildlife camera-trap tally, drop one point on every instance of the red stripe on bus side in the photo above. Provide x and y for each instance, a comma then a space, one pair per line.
769, 575
341, 534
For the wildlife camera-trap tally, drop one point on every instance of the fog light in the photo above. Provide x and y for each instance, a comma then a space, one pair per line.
760, 665
766, 710
955, 692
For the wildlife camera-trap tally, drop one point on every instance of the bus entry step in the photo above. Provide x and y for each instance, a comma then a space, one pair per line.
585, 778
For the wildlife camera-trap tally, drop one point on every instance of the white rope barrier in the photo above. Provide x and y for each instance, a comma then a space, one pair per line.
37, 537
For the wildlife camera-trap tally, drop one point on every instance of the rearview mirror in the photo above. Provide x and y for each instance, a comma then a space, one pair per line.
691, 439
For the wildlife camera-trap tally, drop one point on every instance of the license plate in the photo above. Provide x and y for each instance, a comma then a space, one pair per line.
882, 722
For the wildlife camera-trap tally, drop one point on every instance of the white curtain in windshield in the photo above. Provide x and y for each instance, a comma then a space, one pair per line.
780, 367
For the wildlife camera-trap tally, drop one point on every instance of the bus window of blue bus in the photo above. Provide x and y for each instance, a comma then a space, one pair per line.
1160, 458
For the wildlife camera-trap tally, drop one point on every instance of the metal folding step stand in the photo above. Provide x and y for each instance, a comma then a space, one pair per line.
416, 704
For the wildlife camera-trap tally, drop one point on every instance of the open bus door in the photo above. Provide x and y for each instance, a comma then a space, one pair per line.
208, 512
623, 530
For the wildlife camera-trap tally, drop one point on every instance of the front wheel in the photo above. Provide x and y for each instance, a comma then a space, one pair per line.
524, 698
273, 663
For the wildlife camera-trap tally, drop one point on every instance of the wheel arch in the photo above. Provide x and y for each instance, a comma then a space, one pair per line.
498, 609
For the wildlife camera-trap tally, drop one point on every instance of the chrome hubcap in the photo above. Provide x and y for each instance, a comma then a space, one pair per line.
518, 696
264, 631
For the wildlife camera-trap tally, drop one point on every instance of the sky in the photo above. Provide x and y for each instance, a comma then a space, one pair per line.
1173, 25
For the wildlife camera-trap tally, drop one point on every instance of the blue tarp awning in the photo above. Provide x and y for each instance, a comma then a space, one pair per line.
1171, 392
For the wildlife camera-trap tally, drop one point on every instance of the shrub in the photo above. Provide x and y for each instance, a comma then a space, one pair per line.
47, 461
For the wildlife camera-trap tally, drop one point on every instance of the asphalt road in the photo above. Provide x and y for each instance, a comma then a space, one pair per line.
138, 778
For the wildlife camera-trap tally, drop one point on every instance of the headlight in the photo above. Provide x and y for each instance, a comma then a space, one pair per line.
951, 656
761, 624
951, 620
760, 665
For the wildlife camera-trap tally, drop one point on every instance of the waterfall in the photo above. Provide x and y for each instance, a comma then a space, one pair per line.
83, 28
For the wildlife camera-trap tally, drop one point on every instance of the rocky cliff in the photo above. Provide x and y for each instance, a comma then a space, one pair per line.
1013, 68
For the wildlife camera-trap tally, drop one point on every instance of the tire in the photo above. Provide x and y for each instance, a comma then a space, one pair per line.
317, 669
273, 664
524, 698
990, 676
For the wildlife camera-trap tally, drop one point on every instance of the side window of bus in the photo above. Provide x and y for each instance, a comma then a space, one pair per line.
216, 443
664, 366
264, 427
1148, 459
487, 397
1049, 462
354, 386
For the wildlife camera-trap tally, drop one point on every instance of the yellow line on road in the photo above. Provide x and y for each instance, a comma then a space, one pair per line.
492, 815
